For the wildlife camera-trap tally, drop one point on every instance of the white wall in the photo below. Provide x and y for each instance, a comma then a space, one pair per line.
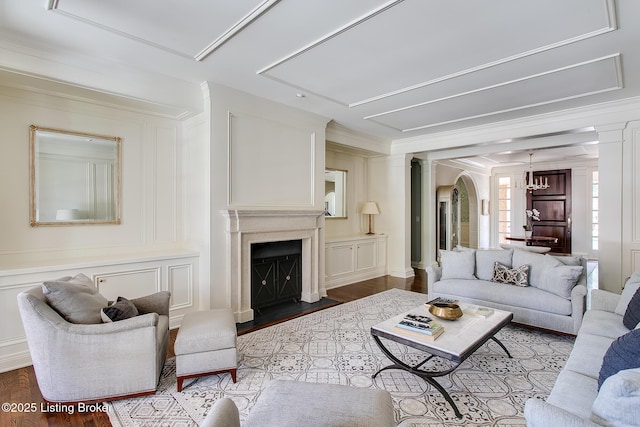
390, 187
356, 194
151, 191
263, 156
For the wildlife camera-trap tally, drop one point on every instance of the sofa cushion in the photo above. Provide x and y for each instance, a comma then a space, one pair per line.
75, 298
537, 264
574, 393
560, 280
517, 276
632, 314
458, 264
630, 288
120, 310
500, 293
617, 401
486, 259
587, 354
603, 323
624, 353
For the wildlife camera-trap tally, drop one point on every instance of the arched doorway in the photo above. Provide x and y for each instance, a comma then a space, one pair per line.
467, 223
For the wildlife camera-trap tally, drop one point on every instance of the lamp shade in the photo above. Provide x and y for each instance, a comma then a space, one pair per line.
370, 208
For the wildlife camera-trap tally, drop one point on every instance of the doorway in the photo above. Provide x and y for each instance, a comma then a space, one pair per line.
554, 205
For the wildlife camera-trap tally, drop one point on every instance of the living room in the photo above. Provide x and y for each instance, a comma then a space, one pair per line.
204, 155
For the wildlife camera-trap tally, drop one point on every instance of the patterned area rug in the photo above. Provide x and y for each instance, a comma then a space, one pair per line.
335, 346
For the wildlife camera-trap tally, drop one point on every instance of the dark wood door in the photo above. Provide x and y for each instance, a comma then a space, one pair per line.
554, 205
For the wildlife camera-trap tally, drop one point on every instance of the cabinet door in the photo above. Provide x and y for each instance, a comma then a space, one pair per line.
289, 286
366, 255
263, 283
341, 259
128, 284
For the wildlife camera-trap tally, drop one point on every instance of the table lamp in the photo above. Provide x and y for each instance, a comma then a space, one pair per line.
370, 208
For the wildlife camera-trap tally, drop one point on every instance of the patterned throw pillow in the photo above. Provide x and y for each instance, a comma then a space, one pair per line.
516, 276
121, 310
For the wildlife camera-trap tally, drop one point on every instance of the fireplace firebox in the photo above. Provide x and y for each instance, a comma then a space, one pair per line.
276, 274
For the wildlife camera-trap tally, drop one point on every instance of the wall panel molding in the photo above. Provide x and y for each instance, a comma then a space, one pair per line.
261, 172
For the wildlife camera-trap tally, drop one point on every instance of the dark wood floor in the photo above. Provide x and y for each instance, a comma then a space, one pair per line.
20, 386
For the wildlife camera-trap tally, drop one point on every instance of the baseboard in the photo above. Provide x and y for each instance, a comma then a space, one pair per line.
352, 278
404, 274
15, 361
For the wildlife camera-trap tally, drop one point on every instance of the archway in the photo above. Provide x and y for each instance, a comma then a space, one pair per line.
468, 221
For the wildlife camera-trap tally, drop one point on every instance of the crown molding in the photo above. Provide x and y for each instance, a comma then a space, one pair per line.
559, 121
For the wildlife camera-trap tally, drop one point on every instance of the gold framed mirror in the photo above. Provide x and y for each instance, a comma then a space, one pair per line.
335, 193
74, 177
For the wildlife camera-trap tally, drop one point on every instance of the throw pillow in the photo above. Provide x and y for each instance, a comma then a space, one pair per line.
560, 280
120, 310
485, 261
617, 401
75, 298
154, 303
458, 265
516, 276
624, 353
632, 314
630, 288
537, 264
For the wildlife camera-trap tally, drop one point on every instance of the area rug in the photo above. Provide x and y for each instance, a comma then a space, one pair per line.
335, 346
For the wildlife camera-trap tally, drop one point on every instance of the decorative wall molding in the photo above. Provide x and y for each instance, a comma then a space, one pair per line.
609, 18
260, 168
616, 78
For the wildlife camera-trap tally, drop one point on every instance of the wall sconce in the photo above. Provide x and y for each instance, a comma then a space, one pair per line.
370, 208
485, 206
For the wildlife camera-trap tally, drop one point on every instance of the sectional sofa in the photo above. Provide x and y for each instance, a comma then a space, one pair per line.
544, 291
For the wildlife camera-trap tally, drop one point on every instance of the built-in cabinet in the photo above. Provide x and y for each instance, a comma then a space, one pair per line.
352, 259
130, 277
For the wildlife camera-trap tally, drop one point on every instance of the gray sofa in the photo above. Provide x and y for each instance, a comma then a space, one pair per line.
555, 299
575, 399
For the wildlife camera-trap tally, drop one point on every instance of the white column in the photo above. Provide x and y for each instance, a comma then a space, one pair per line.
612, 167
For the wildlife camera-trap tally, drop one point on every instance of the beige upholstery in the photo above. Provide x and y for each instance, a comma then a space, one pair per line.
206, 345
95, 362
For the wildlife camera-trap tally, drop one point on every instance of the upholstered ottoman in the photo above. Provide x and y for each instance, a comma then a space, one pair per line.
295, 403
206, 345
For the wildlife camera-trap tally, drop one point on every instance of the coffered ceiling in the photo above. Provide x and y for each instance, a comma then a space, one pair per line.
393, 69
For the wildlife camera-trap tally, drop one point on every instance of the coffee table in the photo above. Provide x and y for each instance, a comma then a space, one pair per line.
460, 339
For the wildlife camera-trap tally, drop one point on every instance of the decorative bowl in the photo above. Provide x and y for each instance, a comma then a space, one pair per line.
445, 311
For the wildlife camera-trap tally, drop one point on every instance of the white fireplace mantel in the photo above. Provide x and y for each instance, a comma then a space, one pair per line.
245, 227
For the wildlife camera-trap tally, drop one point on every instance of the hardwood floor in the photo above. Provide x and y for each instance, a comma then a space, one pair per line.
19, 387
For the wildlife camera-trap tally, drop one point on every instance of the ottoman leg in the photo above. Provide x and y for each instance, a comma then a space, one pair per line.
206, 374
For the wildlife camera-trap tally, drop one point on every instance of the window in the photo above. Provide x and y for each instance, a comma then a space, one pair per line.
594, 210
504, 208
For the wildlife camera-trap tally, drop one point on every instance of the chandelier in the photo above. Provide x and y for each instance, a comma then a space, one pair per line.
530, 184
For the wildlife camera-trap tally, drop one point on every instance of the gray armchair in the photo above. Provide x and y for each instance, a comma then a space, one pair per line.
96, 362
